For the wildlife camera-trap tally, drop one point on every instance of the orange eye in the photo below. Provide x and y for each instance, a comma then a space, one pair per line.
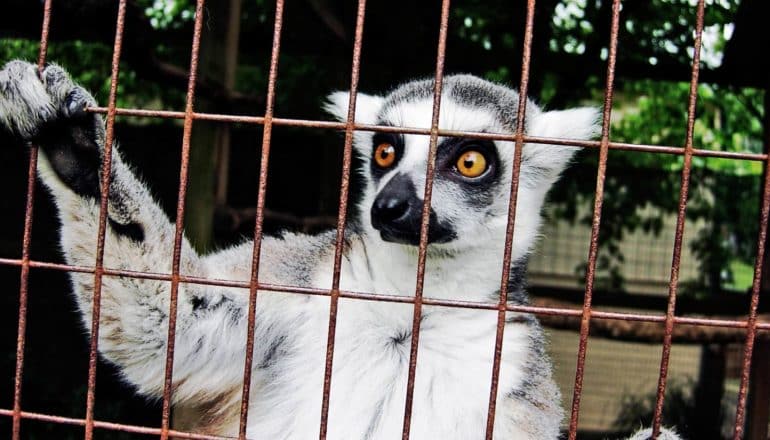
471, 164
385, 155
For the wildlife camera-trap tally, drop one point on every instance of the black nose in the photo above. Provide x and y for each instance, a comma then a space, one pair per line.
390, 208
397, 215
396, 210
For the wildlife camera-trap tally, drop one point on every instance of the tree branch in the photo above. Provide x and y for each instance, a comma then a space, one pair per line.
332, 22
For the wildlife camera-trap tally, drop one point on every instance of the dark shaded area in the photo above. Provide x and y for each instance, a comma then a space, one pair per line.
323, 31
56, 366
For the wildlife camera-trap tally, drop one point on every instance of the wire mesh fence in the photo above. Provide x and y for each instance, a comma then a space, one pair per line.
268, 121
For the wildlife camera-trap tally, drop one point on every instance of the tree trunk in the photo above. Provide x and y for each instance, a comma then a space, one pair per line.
209, 151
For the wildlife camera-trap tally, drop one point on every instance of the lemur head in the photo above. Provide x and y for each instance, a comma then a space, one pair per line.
472, 182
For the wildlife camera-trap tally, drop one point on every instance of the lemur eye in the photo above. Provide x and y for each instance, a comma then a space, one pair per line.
385, 155
471, 164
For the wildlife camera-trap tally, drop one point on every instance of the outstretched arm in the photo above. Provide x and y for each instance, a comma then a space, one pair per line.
211, 325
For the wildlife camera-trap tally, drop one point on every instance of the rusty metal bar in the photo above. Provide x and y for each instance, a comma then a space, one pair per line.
680, 223
597, 215
758, 394
21, 331
422, 253
509, 230
261, 193
751, 324
365, 296
179, 226
309, 123
110, 425
102, 229
342, 217
756, 288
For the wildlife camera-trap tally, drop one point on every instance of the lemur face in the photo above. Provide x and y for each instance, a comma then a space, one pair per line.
467, 175
472, 181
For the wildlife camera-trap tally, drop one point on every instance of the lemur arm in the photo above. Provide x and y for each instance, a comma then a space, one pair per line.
211, 321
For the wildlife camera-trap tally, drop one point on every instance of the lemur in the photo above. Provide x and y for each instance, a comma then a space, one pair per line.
464, 262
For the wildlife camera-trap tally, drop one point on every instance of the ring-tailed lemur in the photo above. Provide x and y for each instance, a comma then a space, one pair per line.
467, 228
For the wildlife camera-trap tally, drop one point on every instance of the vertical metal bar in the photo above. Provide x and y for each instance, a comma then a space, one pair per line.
758, 396
342, 216
594, 247
680, 223
508, 251
102, 230
257, 250
179, 231
430, 174
21, 332
748, 351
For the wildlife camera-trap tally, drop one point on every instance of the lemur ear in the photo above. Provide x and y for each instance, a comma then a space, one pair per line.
550, 160
367, 106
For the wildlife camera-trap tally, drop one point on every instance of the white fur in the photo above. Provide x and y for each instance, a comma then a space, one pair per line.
646, 434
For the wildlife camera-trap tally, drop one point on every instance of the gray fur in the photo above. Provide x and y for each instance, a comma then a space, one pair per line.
471, 90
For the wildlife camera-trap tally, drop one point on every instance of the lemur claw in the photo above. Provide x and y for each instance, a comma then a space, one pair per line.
76, 102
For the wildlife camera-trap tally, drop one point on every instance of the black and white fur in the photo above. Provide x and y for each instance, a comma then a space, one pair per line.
468, 220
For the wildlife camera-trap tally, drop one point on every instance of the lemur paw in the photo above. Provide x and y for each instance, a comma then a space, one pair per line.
49, 109
29, 101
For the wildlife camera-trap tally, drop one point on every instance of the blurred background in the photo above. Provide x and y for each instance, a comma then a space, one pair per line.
569, 55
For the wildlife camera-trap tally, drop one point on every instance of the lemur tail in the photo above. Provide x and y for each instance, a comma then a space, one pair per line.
646, 434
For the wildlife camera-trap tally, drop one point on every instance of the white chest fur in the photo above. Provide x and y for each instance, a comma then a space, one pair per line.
371, 364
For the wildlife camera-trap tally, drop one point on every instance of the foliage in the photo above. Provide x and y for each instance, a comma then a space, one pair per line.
723, 197
642, 188
89, 64
168, 13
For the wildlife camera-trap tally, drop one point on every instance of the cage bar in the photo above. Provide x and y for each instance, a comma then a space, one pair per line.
102, 228
21, 331
261, 194
536, 310
752, 325
680, 222
308, 123
300, 290
754, 328
120, 427
511, 222
342, 217
597, 215
179, 227
422, 253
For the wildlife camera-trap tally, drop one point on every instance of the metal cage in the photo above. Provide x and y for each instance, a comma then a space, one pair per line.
586, 313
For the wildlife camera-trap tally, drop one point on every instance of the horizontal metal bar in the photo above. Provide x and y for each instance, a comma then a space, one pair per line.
309, 123
620, 316
110, 425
